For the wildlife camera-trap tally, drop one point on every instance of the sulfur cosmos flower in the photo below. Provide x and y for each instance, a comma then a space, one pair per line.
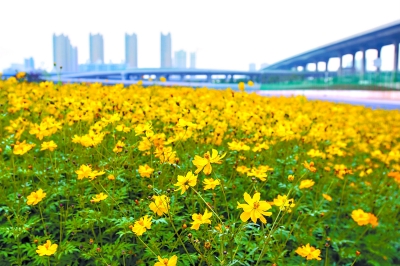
35, 197
204, 163
49, 145
310, 166
309, 252
185, 181
21, 148
95, 174
373, 220
210, 183
145, 170
160, 205
327, 197
254, 209
306, 183
84, 171
199, 219
166, 262
47, 249
360, 217
99, 197
241, 86
284, 203
119, 147
142, 225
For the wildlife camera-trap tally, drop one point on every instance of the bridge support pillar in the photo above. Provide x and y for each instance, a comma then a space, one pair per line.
316, 66
378, 67
396, 61
340, 70
209, 79
353, 64
363, 64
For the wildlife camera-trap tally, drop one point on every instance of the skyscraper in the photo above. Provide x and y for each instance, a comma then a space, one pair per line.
96, 49
64, 55
193, 60
166, 51
29, 64
180, 59
131, 58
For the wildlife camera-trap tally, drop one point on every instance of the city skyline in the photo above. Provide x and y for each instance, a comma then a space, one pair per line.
266, 32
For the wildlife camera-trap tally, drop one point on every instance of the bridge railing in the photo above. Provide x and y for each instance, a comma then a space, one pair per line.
369, 81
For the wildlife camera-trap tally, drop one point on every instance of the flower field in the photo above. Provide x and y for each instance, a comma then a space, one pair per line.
114, 175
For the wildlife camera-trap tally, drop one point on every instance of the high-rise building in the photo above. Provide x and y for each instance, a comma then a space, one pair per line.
64, 55
131, 58
264, 65
180, 59
166, 51
193, 60
96, 48
29, 64
252, 67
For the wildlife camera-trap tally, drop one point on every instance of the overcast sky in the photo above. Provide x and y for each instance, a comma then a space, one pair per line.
225, 34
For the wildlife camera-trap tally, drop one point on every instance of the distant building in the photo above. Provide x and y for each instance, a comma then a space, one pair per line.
131, 57
180, 59
264, 65
193, 60
166, 51
96, 49
65, 56
252, 67
29, 64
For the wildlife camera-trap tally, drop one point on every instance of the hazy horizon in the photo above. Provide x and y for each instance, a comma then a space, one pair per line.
225, 34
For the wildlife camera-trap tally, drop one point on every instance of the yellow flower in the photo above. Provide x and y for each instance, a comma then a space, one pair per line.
238, 146
139, 83
160, 205
360, 217
35, 197
210, 183
166, 262
142, 225
111, 177
145, 170
84, 171
306, 183
163, 79
22, 148
284, 203
327, 197
260, 173
309, 252
373, 220
47, 249
290, 178
310, 166
50, 145
206, 162
242, 169
254, 209
185, 181
199, 219
99, 197
250, 83
241, 86
20, 75
95, 174
119, 147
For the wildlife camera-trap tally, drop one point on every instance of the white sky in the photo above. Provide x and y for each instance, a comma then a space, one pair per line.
227, 34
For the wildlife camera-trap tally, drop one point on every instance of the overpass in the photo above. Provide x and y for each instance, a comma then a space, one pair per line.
372, 39
182, 77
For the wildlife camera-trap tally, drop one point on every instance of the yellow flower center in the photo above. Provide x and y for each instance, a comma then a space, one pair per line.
166, 261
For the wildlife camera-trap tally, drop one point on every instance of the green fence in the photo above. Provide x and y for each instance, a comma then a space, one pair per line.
369, 81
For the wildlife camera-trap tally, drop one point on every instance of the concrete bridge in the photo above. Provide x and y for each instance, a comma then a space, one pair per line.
373, 39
